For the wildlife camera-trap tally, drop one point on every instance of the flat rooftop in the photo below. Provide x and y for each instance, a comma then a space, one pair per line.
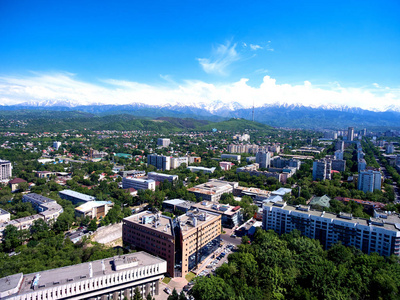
156, 222
40, 198
90, 205
224, 209
213, 187
3, 212
253, 191
202, 217
392, 224
81, 272
77, 195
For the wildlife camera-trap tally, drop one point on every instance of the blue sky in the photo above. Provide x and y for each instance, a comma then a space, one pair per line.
312, 52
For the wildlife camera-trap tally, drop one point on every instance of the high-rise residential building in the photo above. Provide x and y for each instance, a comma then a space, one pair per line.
380, 234
362, 164
263, 158
340, 145
321, 169
242, 138
183, 242
390, 148
350, 134
163, 142
138, 183
279, 162
110, 278
339, 154
161, 162
56, 145
161, 177
369, 181
338, 165
5, 170
360, 154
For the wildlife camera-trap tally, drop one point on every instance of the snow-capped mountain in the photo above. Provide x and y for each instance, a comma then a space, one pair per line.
276, 114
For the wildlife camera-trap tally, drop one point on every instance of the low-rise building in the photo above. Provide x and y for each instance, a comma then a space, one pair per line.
160, 177
93, 209
5, 216
132, 173
213, 190
257, 194
48, 210
248, 169
177, 204
323, 201
201, 169
75, 197
226, 165
231, 156
14, 183
138, 183
111, 278
231, 216
176, 162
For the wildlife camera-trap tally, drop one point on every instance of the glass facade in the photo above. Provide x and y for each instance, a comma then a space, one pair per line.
203, 253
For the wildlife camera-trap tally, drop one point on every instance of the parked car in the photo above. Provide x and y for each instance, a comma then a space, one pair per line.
167, 290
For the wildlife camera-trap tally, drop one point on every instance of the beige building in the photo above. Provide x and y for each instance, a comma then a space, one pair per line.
93, 209
213, 190
183, 242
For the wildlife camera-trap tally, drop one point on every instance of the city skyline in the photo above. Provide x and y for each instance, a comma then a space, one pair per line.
158, 53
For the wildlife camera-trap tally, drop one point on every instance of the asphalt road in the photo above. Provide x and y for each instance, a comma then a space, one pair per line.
230, 240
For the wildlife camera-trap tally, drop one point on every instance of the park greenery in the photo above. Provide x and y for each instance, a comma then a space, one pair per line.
292, 266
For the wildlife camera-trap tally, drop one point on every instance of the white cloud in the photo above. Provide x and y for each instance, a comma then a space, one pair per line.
255, 47
376, 85
221, 58
65, 86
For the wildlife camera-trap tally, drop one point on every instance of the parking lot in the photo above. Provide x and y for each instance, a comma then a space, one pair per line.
206, 268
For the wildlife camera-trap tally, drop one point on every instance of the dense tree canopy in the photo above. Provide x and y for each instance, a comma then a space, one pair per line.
296, 267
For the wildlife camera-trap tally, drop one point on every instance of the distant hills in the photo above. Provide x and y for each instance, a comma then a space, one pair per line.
277, 115
56, 121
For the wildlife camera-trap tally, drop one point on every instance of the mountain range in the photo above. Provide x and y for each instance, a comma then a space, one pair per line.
277, 114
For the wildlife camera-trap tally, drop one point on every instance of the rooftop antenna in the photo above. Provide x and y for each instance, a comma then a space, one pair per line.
253, 110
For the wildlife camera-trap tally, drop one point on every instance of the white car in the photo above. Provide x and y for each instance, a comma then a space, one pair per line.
167, 290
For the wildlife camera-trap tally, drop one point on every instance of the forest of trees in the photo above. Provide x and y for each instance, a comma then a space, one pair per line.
292, 266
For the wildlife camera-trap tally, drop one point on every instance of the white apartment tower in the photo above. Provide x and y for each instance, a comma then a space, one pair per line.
263, 158
369, 181
5, 170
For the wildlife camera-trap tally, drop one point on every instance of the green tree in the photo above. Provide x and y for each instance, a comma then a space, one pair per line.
174, 295
137, 295
93, 225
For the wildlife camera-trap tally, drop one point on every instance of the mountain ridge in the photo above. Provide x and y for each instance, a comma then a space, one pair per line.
275, 114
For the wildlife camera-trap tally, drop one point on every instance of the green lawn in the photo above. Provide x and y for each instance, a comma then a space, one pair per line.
189, 276
166, 280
